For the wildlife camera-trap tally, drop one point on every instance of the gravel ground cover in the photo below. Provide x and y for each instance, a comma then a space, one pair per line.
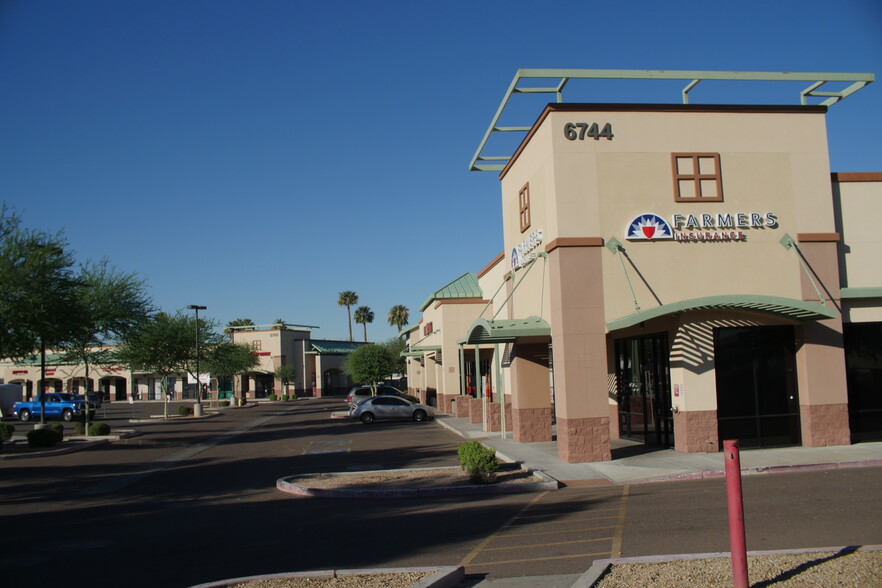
844, 568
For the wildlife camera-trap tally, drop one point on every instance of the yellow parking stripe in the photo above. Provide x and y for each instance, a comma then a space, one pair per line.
468, 558
617, 540
558, 531
510, 547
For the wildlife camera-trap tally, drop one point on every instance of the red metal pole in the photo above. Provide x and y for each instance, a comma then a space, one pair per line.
737, 541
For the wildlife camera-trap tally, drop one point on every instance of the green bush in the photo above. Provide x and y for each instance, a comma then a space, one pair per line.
224, 403
185, 411
272, 397
59, 430
479, 461
285, 398
79, 428
6, 432
43, 438
98, 429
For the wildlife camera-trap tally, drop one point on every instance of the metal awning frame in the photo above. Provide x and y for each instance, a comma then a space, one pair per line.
560, 78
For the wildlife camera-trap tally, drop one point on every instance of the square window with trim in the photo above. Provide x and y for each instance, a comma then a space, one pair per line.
697, 177
524, 205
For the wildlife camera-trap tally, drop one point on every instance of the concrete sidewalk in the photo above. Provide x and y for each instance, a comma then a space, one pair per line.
634, 463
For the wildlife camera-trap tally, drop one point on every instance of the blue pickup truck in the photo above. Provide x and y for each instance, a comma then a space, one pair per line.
58, 405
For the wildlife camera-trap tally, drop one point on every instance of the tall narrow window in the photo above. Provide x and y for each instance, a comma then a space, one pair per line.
524, 202
697, 177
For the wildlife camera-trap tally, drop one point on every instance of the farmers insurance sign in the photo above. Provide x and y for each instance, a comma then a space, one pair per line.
699, 227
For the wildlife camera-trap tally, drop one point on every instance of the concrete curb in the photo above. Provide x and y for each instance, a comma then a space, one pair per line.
210, 414
763, 470
601, 566
283, 484
73, 448
444, 576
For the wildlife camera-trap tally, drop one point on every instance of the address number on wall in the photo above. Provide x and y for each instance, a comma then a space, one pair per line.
579, 131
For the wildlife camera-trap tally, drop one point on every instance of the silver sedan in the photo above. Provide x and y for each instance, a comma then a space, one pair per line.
388, 407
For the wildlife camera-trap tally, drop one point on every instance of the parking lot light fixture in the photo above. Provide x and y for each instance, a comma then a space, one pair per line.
197, 410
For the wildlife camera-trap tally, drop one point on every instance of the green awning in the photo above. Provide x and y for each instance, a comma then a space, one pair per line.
333, 347
787, 308
506, 331
852, 293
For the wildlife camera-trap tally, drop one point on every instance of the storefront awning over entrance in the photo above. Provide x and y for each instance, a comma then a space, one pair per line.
506, 331
787, 308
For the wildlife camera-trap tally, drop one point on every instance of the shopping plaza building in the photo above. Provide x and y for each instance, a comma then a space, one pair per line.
673, 274
318, 367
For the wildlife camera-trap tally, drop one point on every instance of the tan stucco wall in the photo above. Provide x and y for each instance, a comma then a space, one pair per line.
859, 205
596, 188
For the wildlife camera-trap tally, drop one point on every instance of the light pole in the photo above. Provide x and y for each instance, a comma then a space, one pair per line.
197, 409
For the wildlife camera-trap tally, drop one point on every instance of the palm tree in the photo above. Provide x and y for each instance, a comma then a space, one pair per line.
279, 324
239, 322
363, 316
348, 298
398, 316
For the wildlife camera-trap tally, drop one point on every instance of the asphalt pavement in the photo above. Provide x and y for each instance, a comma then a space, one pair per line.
634, 463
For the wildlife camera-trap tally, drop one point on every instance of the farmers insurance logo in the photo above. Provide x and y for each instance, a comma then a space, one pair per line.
649, 227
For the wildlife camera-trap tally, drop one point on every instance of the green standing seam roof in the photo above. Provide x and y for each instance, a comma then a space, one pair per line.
465, 286
333, 347
788, 308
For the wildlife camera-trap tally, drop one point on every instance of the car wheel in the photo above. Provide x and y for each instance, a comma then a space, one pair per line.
419, 415
24, 415
67, 415
367, 417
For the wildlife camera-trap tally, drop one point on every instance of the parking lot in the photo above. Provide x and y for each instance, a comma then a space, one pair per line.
191, 501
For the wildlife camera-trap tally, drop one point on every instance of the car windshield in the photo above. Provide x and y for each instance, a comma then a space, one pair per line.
66, 397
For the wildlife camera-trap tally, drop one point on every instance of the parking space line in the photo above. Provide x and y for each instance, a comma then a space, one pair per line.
510, 547
474, 553
559, 531
557, 521
617, 540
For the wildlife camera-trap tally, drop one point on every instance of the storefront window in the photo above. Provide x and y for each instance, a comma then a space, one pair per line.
863, 365
757, 401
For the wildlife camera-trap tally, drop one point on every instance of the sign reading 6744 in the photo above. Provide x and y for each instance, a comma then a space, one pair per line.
578, 131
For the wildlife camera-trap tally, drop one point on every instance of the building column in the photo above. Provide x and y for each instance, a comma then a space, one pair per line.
820, 355
531, 399
578, 332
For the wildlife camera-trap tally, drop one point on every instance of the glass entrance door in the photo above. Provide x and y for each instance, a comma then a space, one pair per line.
644, 390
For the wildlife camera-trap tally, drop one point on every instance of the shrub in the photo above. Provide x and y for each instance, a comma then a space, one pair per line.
59, 430
6, 431
479, 461
285, 398
185, 411
42, 438
79, 428
224, 403
272, 397
98, 429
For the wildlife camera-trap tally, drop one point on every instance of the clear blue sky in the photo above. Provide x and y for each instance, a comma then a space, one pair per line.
260, 157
